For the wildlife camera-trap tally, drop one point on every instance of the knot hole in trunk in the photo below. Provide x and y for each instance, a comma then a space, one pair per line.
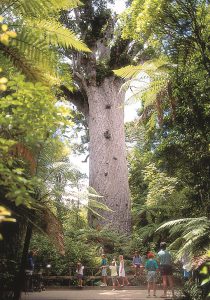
107, 134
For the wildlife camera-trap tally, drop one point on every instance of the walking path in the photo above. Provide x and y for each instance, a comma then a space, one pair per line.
87, 294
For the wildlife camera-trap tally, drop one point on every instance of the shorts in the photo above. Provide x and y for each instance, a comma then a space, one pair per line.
151, 276
79, 276
114, 279
103, 272
166, 270
137, 265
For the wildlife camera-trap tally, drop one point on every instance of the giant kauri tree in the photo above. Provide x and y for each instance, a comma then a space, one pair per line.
99, 99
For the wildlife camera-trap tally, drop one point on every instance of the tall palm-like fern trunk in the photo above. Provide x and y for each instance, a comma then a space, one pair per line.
108, 165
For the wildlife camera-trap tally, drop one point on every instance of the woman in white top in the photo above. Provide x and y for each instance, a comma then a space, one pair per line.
122, 275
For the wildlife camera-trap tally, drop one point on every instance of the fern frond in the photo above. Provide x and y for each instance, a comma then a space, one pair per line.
35, 64
99, 205
191, 235
197, 221
95, 212
35, 50
174, 230
177, 243
37, 35
128, 71
21, 63
55, 34
173, 223
156, 67
64, 4
36, 8
147, 231
126, 85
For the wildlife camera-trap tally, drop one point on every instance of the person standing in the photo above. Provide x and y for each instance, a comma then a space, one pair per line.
104, 270
166, 271
186, 266
113, 269
79, 272
122, 270
151, 266
29, 271
137, 263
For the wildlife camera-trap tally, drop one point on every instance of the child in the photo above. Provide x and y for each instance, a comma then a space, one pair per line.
151, 267
137, 262
113, 269
79, 272
103, 270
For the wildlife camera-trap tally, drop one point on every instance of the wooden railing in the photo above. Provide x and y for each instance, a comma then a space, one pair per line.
92, 276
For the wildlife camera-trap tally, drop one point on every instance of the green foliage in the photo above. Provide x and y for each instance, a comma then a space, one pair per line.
149, 83
32, 119
192, 290
81, 243
28, 117
154, 67
75, 249
39, 33
160, 186
190, 236
170, 167
205, 270
6, 35
38, 8
5, 217
170, 25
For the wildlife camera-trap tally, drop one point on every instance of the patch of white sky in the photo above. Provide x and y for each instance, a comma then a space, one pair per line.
118, 6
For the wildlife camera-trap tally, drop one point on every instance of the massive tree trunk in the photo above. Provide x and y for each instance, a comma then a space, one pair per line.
98, 98
108, 165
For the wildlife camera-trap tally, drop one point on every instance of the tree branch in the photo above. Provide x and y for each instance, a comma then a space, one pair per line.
77, 98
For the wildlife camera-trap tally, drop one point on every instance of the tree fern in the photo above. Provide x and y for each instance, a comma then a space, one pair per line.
170, 224
22, 63
36, 8
191, 236
157, 67
147, 232
147, 83
38, 35
53, 33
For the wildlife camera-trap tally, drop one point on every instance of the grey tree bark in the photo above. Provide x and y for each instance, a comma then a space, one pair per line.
98, 98
108, 165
